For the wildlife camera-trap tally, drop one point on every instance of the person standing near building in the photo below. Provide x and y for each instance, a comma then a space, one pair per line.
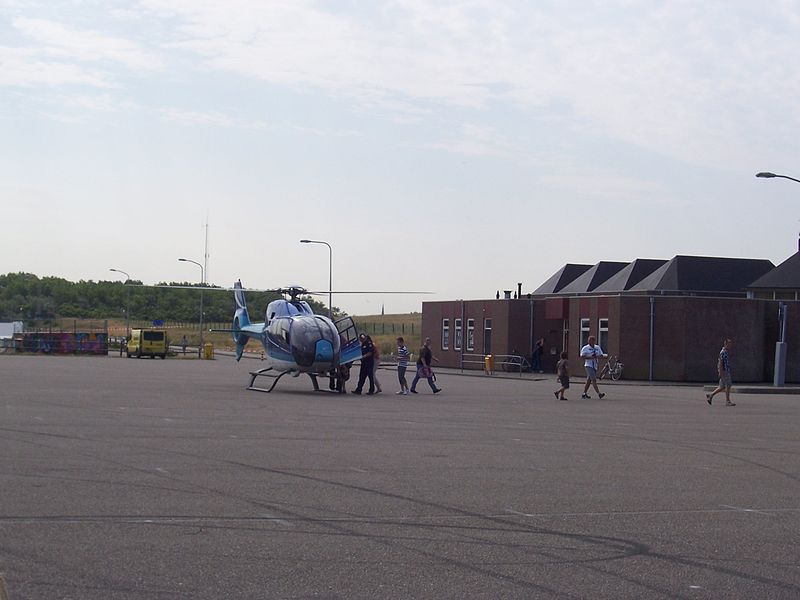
367, 366
724, 371
424, 369
562, 371
402, 365
591, 353
538, 351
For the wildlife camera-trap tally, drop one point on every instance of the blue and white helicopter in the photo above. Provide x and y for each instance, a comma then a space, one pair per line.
295, 340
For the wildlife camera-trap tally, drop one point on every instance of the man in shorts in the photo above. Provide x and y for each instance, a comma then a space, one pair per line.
724, 371
591, 353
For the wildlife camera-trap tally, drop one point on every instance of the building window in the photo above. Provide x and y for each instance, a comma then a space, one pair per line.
470, 335
457, 342
487, 336
445, 334
602, 328
584, 332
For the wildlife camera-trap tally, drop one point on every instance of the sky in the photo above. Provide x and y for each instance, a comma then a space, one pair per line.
454, 147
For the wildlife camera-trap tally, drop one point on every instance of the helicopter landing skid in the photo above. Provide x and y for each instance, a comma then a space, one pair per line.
265, 373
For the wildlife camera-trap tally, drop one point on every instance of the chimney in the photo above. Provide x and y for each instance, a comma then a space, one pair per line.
519, 290
507, 294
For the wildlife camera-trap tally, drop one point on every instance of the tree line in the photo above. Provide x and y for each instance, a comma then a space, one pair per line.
26, 297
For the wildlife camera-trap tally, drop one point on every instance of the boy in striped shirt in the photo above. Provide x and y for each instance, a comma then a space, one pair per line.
402, 365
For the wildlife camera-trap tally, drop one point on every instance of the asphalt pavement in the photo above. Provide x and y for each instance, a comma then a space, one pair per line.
125, 478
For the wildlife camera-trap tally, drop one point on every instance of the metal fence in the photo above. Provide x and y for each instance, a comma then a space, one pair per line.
384, 328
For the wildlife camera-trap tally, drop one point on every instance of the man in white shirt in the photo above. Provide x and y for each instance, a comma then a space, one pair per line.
591, 353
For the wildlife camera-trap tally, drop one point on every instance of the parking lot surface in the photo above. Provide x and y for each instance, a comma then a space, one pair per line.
126, 479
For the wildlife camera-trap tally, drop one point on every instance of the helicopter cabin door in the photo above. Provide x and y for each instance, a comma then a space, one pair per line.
351, 346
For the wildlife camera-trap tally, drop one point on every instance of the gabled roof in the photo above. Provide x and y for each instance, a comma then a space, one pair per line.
630, 275
785, 276
564, 276
592, 278
704, 274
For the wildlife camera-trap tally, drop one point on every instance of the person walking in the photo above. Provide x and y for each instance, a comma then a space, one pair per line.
402, 365
562, 371
376, 362
724, 372
367, 366
591, 353
424, 369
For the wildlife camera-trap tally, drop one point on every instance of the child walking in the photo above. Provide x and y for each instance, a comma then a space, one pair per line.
562, 370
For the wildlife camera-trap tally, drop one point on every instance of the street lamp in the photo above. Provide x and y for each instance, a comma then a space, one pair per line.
202, 282
127, 301
779, 376
768, 175
330, 273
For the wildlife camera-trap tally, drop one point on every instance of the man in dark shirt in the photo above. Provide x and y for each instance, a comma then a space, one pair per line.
367, 366
424, 370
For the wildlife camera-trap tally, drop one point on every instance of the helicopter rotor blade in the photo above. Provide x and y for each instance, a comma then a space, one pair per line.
293, 290
315, 292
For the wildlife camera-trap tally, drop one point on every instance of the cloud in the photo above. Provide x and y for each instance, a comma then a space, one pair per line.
696, 82
475, 140
23, 67
685, 80
210, 118
86, 45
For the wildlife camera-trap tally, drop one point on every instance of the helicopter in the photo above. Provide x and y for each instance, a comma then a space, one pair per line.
295, 339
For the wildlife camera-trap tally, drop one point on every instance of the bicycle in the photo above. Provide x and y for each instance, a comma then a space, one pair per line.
613, 368
515, 364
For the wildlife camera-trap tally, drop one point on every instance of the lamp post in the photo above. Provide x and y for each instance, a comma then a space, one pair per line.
769, 175
127, 301
330, 273
202, 282
779, 376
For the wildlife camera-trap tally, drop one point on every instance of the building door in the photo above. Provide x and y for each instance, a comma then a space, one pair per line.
487, 336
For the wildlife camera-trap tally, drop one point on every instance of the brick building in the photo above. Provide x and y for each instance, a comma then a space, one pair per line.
664, 319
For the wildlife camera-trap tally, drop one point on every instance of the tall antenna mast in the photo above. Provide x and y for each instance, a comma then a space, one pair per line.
205, 254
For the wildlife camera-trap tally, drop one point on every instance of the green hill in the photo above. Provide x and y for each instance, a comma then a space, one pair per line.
27, 297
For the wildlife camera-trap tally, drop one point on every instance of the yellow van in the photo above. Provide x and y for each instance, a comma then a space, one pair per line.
147, 342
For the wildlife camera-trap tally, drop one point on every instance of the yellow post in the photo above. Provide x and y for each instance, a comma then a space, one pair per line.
488, 364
